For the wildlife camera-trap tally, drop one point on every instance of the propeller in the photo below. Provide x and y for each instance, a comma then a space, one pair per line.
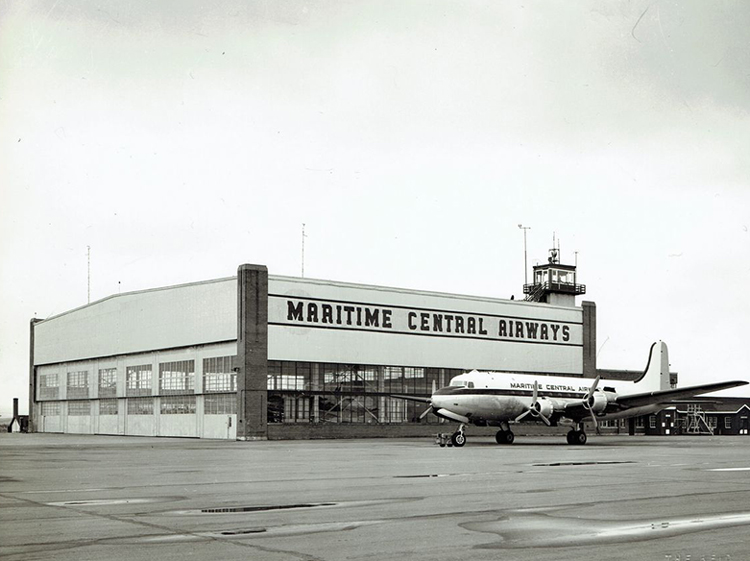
430, 409
534, 409
587, 404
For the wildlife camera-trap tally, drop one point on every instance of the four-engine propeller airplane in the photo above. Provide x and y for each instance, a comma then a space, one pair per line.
499, 399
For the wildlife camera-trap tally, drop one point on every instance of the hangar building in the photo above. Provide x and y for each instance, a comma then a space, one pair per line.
263, 356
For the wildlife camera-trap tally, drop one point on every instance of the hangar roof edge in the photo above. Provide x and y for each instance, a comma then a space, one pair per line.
303, 280
132, 292
402, 290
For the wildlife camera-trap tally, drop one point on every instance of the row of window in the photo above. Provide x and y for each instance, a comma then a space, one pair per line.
712, 421
555, 276
175, 378
213, 404
282, 408
361, 379
331, 408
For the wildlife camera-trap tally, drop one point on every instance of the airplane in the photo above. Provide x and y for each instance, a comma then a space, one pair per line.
501, 398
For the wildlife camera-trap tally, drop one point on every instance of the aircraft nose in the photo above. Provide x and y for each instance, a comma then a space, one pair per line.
438, 401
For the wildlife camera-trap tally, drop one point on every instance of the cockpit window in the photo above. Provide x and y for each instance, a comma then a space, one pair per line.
462, 384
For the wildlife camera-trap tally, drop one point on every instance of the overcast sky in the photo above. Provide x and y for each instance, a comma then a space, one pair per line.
181, 139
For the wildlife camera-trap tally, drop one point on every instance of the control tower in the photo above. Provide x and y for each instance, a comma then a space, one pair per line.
554, 283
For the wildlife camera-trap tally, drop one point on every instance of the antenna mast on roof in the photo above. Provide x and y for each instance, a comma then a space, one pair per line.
303, 249
88, 272
554, 253
525, 265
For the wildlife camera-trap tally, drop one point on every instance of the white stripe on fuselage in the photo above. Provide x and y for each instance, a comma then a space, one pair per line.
546, 384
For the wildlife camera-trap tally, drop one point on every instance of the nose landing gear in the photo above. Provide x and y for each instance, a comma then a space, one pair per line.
457, 439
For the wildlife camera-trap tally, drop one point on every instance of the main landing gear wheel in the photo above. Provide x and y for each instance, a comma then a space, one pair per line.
458, 439
504, 437
577, 437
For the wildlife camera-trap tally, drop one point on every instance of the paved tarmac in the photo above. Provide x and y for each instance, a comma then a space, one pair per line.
68, 497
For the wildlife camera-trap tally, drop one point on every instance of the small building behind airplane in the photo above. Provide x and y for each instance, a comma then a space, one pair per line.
701, 415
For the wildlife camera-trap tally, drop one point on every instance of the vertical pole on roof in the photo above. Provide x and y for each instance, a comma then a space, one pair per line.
525, 261
303, 250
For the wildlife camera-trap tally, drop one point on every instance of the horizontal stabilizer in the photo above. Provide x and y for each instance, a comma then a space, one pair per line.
665, 396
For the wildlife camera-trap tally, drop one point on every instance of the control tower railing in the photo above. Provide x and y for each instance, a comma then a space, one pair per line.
535, 292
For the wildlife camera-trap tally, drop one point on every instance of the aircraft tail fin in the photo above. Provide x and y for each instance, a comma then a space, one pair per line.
656, 375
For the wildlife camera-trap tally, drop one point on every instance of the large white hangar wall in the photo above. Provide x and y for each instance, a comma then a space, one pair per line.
57, 410
319, 321
163, 318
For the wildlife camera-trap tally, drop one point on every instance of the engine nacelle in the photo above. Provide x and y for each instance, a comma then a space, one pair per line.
596, 402
543, 407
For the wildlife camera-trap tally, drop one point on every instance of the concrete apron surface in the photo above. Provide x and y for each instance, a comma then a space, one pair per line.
70, 497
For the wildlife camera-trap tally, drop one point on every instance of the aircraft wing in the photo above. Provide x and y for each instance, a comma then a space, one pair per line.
412, 398
665, 396
575, 408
